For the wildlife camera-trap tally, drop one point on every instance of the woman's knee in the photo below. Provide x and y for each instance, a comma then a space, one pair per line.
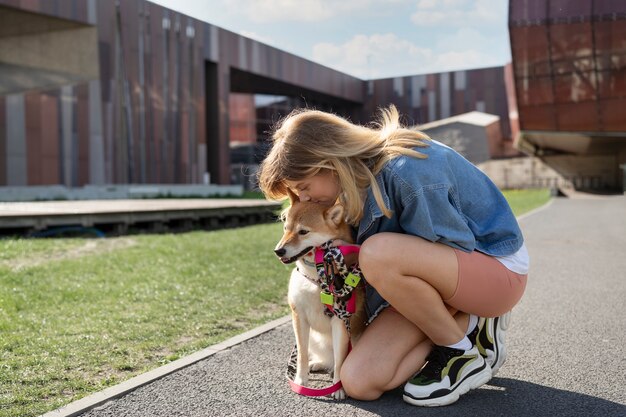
374, 253
356, 383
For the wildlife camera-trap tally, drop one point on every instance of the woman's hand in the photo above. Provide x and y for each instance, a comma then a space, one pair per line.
351, 258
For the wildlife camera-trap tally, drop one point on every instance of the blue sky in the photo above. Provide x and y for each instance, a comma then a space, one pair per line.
369, 38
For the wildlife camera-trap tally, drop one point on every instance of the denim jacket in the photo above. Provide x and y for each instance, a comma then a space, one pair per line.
443, 198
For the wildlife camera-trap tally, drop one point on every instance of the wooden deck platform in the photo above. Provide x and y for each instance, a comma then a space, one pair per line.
116, 217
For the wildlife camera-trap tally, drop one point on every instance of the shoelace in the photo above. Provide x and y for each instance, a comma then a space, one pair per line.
437, 360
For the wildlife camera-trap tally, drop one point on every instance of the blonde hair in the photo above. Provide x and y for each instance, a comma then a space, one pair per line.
308, 141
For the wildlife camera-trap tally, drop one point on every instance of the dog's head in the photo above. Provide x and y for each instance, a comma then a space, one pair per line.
307, 225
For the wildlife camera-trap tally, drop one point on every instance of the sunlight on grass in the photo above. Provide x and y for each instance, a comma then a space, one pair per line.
522, 201
75, 324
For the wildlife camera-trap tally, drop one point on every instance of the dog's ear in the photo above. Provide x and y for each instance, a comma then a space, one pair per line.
293, 198
334, 214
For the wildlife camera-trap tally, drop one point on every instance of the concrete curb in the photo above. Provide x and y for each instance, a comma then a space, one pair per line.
92, 401
84, 404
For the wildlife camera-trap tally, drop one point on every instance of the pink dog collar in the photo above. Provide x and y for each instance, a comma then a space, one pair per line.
346, 250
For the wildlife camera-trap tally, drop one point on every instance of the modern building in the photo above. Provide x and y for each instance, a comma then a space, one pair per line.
95, 92
118, 92
569, 75
475, 135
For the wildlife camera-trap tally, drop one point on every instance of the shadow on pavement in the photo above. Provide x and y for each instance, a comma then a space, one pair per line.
501, 397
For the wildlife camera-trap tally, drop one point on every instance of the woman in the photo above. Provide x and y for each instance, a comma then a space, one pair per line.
440, 248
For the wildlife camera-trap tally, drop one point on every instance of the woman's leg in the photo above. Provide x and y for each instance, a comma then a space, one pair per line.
388, 353
414, 276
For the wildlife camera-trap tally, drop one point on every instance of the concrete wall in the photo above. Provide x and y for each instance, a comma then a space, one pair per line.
41, 52
588, 171
72, 51
522, 172
469, 140
560, 171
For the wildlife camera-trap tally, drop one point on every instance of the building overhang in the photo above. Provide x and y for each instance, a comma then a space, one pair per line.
39, 52
544, 143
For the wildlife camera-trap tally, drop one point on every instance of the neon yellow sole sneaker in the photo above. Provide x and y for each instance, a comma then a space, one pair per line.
489, 337
448, 374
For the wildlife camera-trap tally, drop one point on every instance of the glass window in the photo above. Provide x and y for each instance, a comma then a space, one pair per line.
571, 47
608, 8
612, 114
533, 91
569, 10
578, 116
529, 48
612, 83
527, 10
537, 117
575, 87
610, 42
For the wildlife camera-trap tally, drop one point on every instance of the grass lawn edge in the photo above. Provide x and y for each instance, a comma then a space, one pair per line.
101, 397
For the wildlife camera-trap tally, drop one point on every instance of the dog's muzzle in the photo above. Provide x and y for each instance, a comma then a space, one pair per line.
281, 252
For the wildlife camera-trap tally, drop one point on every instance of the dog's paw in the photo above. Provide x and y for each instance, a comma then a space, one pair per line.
339, 395
318, 367
302, 380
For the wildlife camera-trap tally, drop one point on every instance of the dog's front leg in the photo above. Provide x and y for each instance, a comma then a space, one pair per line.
301, 329
340, 351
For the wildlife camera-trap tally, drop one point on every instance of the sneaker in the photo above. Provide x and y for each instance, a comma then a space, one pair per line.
489, 337
448, 374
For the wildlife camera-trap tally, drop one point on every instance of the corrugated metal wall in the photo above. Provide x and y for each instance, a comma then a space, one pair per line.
159, 111
146, 119
569, 61
428, 97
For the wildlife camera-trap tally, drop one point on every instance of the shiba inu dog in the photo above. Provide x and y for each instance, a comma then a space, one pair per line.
322, 341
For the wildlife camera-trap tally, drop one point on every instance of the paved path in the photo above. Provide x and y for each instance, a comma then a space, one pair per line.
566, 342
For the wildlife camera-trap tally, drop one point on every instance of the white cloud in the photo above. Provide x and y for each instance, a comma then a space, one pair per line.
257, 37
455, 13
387, 55
265, 11
469, 48
433, 4
458, 60
374, 56
271, 11
462, 38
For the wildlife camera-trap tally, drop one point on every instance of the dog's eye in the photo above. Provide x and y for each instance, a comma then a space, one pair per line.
303, 232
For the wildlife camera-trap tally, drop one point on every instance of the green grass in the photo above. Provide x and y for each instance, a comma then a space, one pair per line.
522, 201
79, 315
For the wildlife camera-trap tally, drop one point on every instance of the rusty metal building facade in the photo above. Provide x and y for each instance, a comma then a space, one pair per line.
118, 92
569, 71
156, 111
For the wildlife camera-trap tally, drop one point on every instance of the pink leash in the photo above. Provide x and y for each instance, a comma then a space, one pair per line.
315, 392
351, 307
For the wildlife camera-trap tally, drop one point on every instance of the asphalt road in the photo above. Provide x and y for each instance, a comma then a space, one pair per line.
566, 342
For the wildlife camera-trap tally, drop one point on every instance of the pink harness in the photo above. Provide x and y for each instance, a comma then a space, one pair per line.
345, 250
328, 299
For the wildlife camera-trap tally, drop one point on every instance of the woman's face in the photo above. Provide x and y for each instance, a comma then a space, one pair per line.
321, 188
